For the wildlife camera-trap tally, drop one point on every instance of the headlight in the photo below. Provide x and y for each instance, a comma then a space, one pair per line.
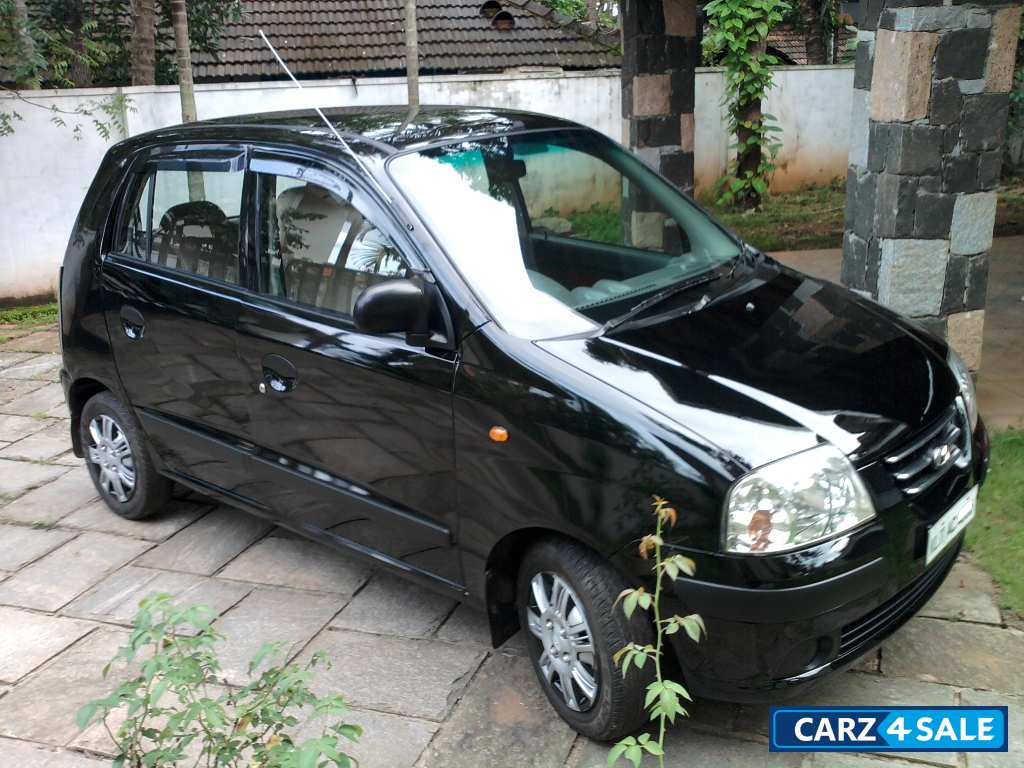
794, 502
966, 382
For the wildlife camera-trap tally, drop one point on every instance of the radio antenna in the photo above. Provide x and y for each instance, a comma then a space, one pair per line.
328, 123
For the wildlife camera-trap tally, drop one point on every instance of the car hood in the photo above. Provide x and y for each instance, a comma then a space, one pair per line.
774, 363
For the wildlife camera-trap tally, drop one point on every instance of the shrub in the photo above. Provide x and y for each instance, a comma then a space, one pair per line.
173, 712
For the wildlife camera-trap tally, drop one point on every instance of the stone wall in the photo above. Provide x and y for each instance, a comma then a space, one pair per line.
931, 88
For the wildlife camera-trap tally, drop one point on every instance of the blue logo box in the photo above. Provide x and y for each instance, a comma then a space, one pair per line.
888, 729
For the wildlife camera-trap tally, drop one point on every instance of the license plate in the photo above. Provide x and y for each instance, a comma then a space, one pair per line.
949, 526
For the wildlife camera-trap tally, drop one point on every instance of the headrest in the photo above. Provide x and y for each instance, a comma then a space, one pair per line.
197, 212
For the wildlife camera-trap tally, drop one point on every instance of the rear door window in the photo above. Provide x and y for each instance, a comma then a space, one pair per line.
186, 218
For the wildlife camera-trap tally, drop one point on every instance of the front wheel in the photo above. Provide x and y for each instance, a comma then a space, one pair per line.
566, 605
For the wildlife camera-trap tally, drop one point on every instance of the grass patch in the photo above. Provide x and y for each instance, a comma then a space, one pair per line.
29, 317
813, 217
996, 538
789, 221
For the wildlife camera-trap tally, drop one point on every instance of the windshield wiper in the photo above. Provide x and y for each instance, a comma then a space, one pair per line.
658, 298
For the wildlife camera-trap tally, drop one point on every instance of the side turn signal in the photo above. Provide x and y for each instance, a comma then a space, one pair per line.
498, 434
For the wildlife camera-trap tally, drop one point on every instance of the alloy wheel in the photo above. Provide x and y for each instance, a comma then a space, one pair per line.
557, 619
110, 451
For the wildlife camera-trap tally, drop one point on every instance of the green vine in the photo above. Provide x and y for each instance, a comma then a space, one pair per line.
737, 38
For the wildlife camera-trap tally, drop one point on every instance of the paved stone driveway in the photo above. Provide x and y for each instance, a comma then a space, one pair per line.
417, 669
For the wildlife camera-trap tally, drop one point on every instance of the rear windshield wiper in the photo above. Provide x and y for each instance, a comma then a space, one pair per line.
658, 298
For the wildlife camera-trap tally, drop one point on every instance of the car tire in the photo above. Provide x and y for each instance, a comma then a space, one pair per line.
118, 459
617, 706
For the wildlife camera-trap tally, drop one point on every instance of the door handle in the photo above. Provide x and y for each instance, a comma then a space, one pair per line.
279, 375
132, 322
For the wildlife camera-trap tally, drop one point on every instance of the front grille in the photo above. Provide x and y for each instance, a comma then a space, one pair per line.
922, 462
893, 612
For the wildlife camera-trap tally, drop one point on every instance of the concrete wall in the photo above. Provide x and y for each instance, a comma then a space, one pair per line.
45, 171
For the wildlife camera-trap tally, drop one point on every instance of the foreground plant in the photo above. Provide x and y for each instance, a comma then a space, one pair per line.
664, 697
173, 713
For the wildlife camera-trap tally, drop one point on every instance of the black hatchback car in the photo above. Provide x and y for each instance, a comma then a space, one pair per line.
472, 344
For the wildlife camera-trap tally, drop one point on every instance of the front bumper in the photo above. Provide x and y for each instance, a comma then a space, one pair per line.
770, 644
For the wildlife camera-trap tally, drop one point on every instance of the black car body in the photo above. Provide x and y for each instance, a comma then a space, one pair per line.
378, 444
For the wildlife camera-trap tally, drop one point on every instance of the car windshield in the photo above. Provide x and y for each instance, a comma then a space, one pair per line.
558, 232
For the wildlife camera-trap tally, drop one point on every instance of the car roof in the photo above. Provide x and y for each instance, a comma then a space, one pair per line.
380, 130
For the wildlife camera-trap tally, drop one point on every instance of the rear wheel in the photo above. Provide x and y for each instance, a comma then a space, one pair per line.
566, 596
118, 460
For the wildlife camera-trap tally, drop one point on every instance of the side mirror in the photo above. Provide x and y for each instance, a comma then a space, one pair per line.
393, 306
401, 305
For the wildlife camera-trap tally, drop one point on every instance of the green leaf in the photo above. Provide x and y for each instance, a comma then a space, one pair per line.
619, 749
654, 748
85, 714
629, 604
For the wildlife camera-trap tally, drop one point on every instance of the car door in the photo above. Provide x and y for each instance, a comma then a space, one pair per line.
353, 432
172, 280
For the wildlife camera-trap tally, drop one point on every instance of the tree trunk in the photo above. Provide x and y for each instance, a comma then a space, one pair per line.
749, 158
814, 31
186, 88
412, 55
79, 72
182, 45
26, 42
592, 15
144, 44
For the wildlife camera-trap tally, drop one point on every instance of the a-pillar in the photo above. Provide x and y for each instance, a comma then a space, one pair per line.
931, 93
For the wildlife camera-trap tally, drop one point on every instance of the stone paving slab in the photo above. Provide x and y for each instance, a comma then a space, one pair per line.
1014, 757
9, 359
37, 367
208, 544
15, 428
272, 614
52, 501
34, 401
504, 719
43, 707
13, 389
46, 340
59, 411
54, 580
116, 599
389, 605
468, 624
47, 443
299, 563
968, 593
16, 477
21, 754
388, 741
97, 516
419, 678
29, 639
20, 545
957, 653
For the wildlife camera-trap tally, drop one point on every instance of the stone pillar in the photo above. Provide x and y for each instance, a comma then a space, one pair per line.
931, 93
660, 55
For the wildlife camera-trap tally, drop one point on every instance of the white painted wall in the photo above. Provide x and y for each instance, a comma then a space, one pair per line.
44, 171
